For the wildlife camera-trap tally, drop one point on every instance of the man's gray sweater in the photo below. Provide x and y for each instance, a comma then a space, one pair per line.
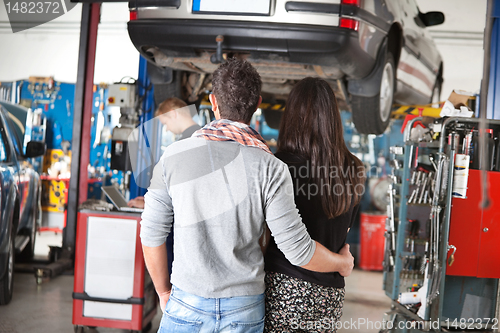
218, 195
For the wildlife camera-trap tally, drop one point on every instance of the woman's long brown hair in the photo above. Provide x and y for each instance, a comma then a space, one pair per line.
311, 127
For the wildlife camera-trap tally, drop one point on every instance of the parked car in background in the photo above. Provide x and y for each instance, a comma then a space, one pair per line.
372, 52
20, 194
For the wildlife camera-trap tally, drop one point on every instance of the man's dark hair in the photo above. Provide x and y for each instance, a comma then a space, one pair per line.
236, 84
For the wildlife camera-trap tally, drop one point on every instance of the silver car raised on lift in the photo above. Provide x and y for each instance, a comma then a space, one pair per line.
372, 52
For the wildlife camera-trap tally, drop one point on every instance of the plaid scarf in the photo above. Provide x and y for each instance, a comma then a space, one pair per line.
228, 130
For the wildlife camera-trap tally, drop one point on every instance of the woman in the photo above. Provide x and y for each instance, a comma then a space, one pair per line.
328, 183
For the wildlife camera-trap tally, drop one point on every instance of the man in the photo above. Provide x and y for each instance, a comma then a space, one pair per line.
222, 186
176, 116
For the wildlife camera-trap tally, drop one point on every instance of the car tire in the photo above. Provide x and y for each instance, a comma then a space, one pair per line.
371, 115
7, 281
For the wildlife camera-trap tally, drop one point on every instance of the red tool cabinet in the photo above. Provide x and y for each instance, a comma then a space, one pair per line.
111, 286
474, 231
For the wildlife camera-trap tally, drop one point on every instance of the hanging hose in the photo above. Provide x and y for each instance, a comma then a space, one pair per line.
444, 184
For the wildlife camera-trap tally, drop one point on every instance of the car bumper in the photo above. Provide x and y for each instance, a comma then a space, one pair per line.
291, 43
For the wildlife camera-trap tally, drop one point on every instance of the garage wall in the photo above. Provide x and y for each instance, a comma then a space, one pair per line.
460, 41
52, 48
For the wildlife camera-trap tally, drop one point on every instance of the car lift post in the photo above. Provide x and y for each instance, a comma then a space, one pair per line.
80, 146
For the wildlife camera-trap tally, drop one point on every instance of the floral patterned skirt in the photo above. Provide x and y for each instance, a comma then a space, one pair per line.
295, 305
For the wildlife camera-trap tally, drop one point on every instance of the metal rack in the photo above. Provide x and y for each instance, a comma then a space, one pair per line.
418, 252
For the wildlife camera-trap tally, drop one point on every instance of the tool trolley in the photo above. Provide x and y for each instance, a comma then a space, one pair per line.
442, 258
112, 287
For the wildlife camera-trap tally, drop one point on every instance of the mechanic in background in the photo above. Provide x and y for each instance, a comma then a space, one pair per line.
176, 116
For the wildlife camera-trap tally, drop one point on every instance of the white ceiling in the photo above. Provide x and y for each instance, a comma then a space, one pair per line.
460, 41
460, 15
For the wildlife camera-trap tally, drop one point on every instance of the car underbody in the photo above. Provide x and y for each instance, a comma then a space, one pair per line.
278, 76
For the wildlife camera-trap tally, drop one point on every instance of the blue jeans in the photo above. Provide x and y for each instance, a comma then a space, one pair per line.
191, 314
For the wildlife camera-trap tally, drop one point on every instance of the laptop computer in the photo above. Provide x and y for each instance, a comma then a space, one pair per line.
118, 200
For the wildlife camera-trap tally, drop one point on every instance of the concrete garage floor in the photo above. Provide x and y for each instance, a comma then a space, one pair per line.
48, 307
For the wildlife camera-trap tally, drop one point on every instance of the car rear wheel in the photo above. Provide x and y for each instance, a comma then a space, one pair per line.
7, 280
371, 115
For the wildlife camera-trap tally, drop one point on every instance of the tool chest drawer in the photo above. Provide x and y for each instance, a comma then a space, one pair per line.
475, 231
